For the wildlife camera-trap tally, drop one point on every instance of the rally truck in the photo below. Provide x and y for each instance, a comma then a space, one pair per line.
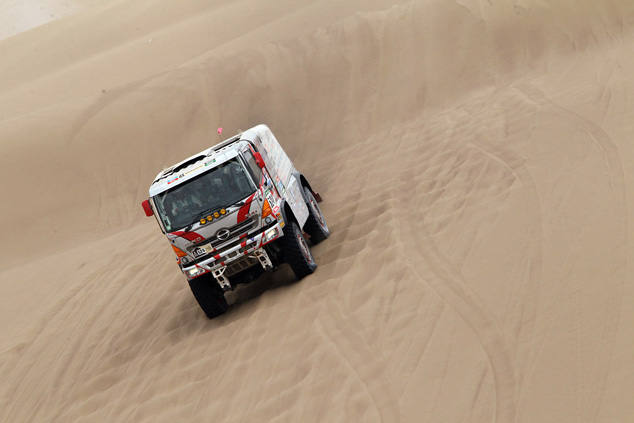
235, 210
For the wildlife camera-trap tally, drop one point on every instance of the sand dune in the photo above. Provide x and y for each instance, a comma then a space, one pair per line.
477, 168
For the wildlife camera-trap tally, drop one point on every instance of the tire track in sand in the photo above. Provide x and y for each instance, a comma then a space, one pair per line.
451, 287
349, 337
617, 184
526, 329
432, 268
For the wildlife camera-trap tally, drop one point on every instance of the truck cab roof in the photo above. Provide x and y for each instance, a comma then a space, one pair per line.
196, 164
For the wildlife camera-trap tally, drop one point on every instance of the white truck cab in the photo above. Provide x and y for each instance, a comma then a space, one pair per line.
235, 210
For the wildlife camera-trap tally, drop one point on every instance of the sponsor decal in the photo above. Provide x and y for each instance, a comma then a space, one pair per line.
274, 194
174, 179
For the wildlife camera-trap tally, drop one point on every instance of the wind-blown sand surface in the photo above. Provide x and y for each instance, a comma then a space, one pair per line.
477, 165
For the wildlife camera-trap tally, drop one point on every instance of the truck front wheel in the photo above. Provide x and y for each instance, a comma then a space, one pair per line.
296, 251
209, 295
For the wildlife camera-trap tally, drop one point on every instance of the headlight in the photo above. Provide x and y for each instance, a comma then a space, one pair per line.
270, 235
196, 271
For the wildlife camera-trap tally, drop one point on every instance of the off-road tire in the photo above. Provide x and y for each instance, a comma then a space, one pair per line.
209, 295
296, 251
315, 225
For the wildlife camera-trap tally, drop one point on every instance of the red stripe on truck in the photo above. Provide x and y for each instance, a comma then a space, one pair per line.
244, 210
190, 236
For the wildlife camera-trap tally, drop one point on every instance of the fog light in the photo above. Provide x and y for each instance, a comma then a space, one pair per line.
270, 235
196, 271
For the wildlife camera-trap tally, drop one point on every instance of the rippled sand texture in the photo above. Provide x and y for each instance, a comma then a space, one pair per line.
477, 165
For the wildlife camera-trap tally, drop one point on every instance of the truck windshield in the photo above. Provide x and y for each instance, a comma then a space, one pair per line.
218, 188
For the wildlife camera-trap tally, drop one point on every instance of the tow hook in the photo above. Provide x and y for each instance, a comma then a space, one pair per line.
221, 278
264, 259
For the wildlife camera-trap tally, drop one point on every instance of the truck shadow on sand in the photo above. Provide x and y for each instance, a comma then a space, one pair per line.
266, 282
242, 302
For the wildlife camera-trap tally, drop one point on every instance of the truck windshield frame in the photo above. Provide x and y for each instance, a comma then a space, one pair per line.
219, 187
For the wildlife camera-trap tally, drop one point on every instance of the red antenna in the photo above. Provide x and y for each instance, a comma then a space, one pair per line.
220, 133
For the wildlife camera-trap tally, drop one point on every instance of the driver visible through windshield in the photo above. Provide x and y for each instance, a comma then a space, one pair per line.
219, 188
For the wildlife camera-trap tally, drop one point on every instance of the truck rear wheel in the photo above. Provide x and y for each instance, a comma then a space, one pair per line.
316, 225
209, 295
297, 252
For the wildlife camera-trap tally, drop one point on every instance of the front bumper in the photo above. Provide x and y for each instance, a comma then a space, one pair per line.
249, 247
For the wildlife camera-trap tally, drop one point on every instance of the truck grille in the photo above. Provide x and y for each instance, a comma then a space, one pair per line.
237, 230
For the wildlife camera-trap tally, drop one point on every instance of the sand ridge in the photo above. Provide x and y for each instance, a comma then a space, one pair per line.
476, 165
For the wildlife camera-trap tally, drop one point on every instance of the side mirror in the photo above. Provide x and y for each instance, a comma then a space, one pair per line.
147, 209
259, 160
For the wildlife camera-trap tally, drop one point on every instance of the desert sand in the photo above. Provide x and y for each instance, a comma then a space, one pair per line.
476, 160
